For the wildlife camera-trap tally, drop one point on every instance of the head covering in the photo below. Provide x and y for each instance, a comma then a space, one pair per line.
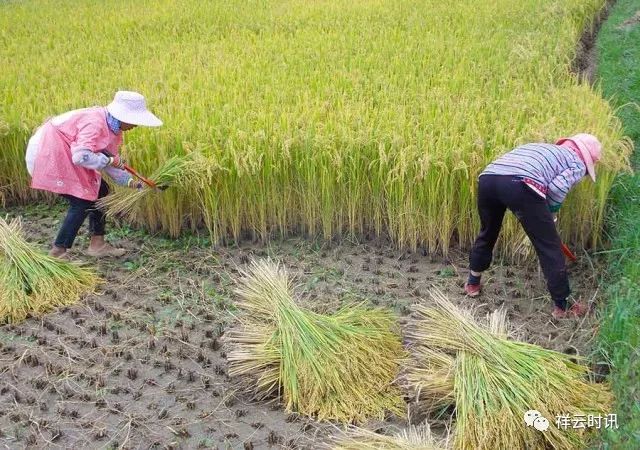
588, 148
130, 107
114, 124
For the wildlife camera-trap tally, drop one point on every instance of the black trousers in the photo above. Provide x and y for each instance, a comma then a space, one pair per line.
496, 193
78, 211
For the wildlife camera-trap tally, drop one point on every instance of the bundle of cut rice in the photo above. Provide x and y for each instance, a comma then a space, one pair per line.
128, 204
333, 367
413, 438
493, 380
32, 282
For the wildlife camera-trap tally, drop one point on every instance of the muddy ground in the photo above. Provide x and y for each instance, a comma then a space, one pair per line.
141, 363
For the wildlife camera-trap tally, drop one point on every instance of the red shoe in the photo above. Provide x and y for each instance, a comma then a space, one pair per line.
578, 309
472, 290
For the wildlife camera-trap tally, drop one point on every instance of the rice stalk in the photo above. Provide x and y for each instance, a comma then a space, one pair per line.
33, 283
523, 250
130, 204
493, 381
332, 367
414, 437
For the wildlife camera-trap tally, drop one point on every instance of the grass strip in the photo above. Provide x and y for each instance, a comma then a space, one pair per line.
619, 337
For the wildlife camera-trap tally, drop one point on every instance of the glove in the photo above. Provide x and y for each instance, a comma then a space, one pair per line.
116, 161
134, 184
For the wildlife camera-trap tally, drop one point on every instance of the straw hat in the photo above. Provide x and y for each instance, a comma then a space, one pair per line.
589, 147
130, 107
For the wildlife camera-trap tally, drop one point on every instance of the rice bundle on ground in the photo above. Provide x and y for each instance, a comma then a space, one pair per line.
493, 381
413, 438
32, 282
332, 367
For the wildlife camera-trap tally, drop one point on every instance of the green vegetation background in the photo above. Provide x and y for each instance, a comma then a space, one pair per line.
618, 46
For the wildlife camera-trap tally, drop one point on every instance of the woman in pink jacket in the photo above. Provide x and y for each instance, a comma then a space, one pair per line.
68, 154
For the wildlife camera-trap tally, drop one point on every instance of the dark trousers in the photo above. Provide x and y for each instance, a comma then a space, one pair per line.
78, 211
496, 193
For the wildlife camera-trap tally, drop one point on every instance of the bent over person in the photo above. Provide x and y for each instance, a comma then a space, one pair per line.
532, 181
67, 156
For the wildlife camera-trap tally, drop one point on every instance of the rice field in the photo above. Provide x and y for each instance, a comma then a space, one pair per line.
334, 147
148, 359
329, 118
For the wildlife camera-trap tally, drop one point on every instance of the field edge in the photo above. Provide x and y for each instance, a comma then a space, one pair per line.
619, 336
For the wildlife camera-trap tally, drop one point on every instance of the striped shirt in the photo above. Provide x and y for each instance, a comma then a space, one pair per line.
549, 170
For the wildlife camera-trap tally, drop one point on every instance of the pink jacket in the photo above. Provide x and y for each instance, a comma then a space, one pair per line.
54, 170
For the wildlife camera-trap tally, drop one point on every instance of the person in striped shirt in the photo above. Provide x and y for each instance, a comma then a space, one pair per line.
532, 181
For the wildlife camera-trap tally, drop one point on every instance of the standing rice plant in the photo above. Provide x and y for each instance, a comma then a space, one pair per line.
493, 380
332, 367
349, 117
33, 283
413, 438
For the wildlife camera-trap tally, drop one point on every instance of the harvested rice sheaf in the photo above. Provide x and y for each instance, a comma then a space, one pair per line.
493, 380
413, 438
33, 283
333, 367
131, 204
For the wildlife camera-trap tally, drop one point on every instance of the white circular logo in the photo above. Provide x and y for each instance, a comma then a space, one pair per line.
530, 416
541, 424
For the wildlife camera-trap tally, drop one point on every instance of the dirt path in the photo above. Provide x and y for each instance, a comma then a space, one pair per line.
141, 364
585, 63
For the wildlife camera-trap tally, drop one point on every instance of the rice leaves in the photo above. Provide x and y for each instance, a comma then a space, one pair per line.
33, 283
333, 367
493, 381
413, 438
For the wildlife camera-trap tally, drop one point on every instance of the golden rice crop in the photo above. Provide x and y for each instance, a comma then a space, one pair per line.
493, 380
413, 438
332, 367
323, 117
33, 283
134, 204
